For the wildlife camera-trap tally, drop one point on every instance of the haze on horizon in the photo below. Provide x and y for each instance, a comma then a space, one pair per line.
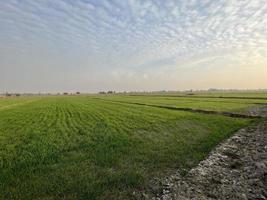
93, 45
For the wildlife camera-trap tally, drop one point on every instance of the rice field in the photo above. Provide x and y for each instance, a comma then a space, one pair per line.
103, 147
213, 104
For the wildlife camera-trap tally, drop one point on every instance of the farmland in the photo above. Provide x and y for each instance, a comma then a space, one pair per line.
106, 146
236, 105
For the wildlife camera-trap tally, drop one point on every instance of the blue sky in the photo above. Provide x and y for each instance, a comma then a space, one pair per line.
92, 45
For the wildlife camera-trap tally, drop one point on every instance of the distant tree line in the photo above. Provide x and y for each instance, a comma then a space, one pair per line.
12, 94
108, 92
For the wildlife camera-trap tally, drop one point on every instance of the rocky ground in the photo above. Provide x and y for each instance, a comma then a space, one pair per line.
236, 169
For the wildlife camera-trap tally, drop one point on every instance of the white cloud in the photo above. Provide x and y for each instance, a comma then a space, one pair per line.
114, 35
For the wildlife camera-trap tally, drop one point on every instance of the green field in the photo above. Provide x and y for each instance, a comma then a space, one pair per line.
216, 94
7, 103
104, 147
204, 103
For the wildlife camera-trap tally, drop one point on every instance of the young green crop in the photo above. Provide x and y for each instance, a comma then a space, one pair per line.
85, 148
213, 104
216, 94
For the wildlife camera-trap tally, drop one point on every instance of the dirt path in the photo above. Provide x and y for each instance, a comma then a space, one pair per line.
236, 169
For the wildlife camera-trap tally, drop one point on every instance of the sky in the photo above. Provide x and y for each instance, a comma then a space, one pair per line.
132, 45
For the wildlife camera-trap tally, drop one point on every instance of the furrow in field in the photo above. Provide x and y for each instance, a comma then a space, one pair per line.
63, 125
118, 113
69, 120
86, 116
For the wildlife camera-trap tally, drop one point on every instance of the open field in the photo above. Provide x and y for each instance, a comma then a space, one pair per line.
241, 94
15, 101
214, 94
204, 103
105, 147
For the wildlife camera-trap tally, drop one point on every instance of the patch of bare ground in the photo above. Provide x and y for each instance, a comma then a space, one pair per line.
236, 169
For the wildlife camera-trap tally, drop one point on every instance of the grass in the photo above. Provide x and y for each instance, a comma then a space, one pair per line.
78, 147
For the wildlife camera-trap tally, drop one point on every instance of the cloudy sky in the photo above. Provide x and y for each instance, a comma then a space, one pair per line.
92, 45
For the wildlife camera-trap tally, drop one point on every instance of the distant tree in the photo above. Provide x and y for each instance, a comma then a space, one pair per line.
102, 92
213, 90
65, 93
78, 93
